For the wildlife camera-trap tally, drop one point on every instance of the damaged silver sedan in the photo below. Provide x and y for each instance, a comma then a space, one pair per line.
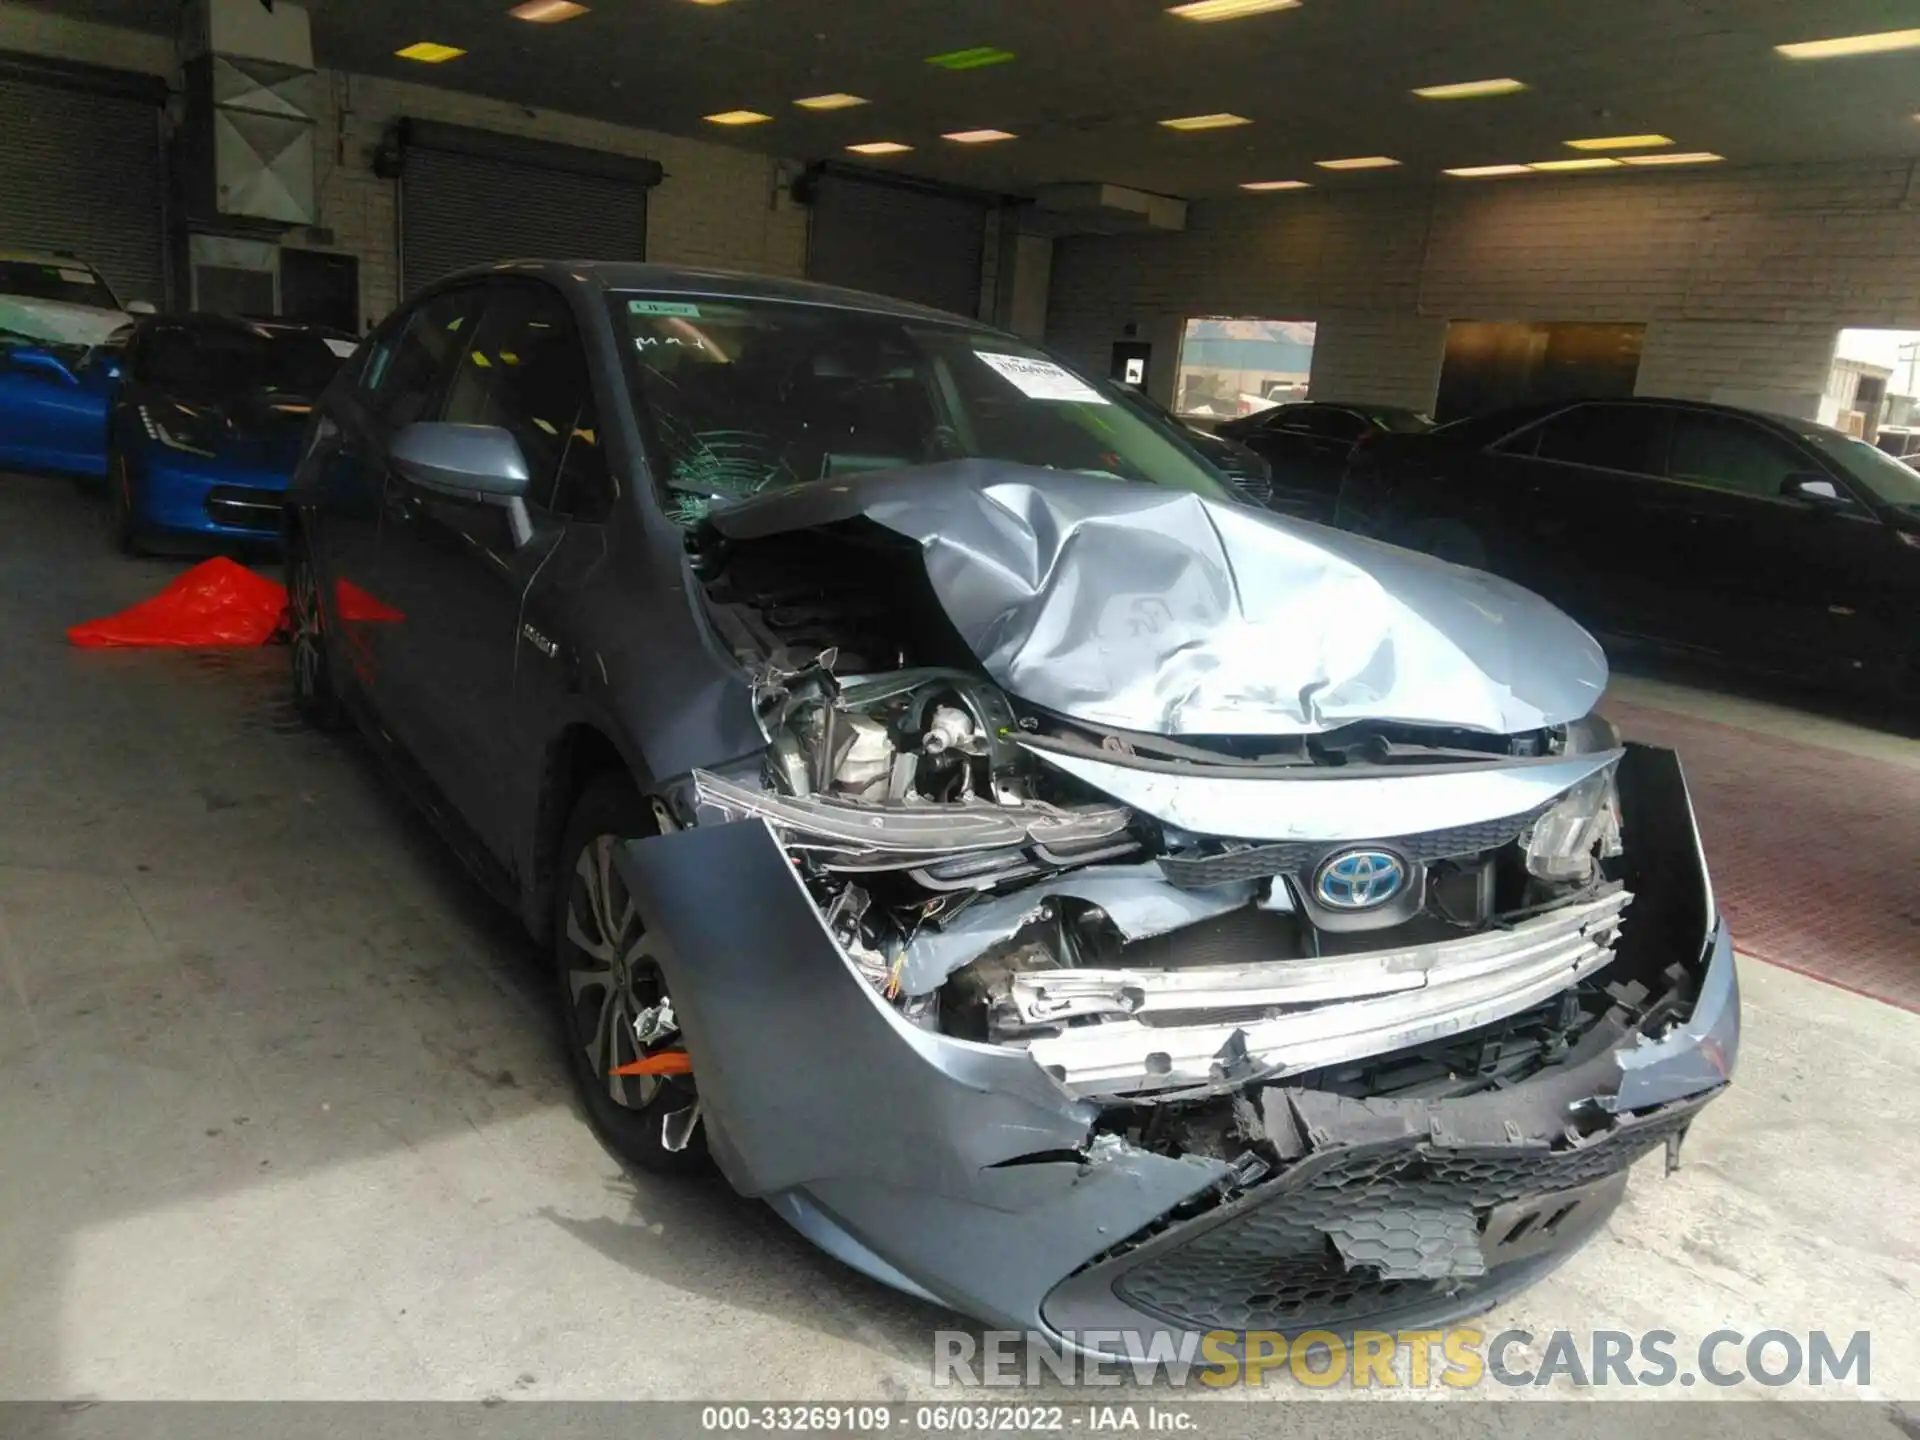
1060, 891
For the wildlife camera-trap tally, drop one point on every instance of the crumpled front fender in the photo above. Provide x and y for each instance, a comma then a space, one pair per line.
951, 1163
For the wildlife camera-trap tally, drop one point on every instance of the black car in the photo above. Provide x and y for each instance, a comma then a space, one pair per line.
206, 425
1059, 890
1249, 476
1307, 446
1778, 543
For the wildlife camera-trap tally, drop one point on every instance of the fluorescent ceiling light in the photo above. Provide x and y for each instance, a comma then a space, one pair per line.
1205, 122
880, 147
1678, 157
838, 100
977, 137
1359, 162
736, 117
1877, 44
976, 58
1592, 162
547, 12
1275, 185
1477, 172
1471, 89
709, 2
1620, 142
428, 53
1210, 10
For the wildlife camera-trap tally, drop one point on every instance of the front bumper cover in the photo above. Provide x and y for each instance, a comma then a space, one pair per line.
964, 1173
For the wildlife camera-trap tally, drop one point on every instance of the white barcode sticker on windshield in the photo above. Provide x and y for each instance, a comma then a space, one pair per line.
1042, 379
77, 277
342, 348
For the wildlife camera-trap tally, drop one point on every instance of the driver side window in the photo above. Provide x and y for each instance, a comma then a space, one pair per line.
524, 370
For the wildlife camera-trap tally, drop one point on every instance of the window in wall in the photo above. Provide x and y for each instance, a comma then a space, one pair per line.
1492, 366
1231, 367
1873, 389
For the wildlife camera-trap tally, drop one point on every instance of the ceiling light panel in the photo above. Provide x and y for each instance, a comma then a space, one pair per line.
1592, 162
736, 117
1205, 122
976, 58
1275, 185
1876, 44
837, 100
547, 12
429, 53
1471, 89
1481, 172
880, 147
1207, 11
1620, 142
978, 137
1359, 162
1677, 157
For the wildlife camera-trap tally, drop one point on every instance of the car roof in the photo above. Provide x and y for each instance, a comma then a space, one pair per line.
47, 257
609, 275
216, 320
1518, 417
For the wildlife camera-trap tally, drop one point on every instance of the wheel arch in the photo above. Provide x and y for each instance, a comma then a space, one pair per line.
579, 752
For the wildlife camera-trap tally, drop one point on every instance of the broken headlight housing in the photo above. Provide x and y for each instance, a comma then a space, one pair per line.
1577, 830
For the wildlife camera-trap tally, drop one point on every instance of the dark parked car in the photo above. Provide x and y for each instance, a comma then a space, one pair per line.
1777, 543
1307, 446
1058, 891
206, 426
1250, 477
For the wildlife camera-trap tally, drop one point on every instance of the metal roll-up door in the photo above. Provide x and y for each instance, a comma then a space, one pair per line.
81, 170
912, 244
468, 197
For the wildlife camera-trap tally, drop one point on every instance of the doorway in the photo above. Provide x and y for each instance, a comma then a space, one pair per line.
1493, 365
321, 289
1873, 389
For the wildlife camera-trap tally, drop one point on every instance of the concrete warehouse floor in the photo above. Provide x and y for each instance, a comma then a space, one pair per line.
285, 1116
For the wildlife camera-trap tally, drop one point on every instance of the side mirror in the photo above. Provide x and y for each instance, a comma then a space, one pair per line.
478, 464
141, 307
41, 362
1813, 489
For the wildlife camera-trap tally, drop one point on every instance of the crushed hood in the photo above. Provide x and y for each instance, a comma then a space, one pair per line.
1155, 610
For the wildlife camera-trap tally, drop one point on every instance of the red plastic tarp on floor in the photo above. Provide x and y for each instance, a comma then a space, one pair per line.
216, 603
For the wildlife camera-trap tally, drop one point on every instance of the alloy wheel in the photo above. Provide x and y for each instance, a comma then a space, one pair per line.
303, 592
620, 1012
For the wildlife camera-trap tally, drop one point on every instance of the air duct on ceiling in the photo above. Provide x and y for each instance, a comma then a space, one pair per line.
248, 140
1091, 208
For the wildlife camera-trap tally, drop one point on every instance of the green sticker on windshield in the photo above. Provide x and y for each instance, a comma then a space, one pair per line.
663, 307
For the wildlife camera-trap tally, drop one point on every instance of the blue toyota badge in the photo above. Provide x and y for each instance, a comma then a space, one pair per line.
1359, 879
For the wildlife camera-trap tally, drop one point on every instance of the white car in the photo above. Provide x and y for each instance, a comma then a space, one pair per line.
60, 300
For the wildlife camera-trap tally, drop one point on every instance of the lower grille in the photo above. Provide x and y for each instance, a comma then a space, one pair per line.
239, 505
1271, 1265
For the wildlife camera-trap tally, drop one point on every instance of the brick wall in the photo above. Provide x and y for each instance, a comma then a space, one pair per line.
1742, 277
717, 206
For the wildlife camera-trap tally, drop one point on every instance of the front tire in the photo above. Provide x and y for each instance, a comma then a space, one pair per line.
315, 695
121, 524
612, 993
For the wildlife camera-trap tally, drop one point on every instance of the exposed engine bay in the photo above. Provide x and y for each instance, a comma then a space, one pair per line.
1003, 873
1185, 900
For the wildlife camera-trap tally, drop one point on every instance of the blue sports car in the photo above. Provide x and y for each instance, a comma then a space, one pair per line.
53, 404
207, 425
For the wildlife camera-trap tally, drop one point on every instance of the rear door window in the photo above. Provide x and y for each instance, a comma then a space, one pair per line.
1628, 438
